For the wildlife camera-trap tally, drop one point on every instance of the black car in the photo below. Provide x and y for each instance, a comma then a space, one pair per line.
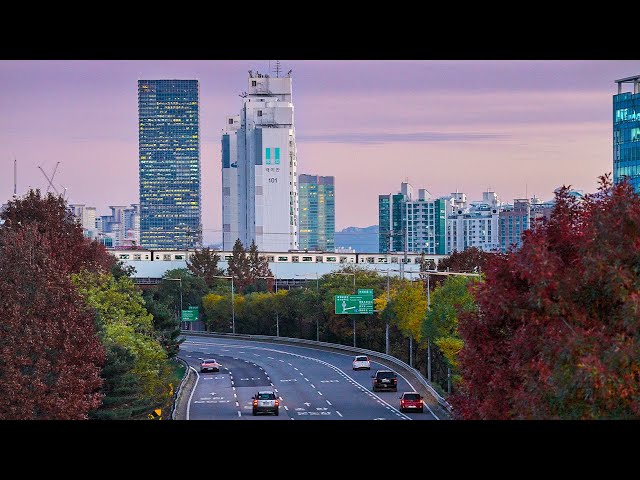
385, 380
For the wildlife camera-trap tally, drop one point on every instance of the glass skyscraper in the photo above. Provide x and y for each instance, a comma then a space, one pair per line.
626, 133
317, 212
169, 161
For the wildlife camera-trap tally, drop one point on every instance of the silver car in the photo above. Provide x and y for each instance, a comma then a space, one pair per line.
266, 402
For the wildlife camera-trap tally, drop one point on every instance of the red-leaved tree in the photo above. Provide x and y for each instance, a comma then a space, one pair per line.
556, 335
50, 355
55, 221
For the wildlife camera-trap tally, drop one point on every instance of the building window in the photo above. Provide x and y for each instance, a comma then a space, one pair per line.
124, 257
283, 259
382, 259
295, 258
227, 257
259, 113
270, 259
231, 121
137, 257
253, 83
331, 259
179, 257
371, 259
307, 259
343, 259
166, 257
319, 259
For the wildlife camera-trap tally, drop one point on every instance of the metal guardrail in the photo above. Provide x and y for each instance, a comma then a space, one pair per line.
176, 395
372, 353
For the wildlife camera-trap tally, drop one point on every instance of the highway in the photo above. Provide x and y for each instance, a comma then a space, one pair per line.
311, 384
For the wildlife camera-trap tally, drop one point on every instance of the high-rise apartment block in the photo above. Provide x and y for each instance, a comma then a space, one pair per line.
169, 163
626, 133
317, 212
259, 180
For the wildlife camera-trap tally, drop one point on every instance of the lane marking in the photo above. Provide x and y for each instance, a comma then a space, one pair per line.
319, 392
338, 413
313, 386
239, 414
195, 386
285, 407
328, 402
306, 379
237, 404
281, 360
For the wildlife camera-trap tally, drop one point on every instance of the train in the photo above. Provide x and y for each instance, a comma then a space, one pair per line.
141, 254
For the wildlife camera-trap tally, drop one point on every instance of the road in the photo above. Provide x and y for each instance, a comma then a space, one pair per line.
312, 384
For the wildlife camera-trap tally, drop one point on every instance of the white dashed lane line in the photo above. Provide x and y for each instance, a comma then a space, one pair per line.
319, 392
328, 402
285, 407
338, 413
313, 386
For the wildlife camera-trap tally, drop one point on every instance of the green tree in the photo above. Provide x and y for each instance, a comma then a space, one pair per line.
448, 302
218, 312
124, 397
204, 264
165, 323
124, 321
238, 267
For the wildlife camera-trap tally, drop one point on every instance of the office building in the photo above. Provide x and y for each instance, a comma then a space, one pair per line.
317, 212
169, 163
260, 152
626, 133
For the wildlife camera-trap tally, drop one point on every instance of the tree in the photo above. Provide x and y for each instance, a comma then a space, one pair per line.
259, 267
50, 354
448, 302
204, 264
238, 267
165, 324
124, 397
124, 320
54, 220
470, 260
556, 331
408, 307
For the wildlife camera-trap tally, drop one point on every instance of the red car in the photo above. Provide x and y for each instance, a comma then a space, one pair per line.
411, 401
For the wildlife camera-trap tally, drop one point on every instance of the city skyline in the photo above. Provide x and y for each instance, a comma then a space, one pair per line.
519, 128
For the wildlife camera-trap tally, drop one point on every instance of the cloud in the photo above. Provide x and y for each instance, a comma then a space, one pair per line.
416, 137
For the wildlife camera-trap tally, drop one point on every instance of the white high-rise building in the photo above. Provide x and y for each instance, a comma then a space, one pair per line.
259, 180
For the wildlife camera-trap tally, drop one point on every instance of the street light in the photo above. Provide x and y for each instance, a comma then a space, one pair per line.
233, 306
354, 292
277, 318
318, 292
178, 280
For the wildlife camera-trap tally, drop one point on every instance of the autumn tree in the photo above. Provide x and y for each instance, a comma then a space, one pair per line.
469, 260
54, 220
204, 264
238, 267
259, 270
50, 354
556, 331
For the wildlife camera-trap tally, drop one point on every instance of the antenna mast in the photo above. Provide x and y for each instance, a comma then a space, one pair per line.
15, 177
277, 68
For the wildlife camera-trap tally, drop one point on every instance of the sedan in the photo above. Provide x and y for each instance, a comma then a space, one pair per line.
209, 365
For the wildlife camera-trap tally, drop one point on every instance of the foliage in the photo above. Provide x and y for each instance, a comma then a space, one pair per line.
165, 323
124, 397
470, 260
238, 267
204, 264
440, 324
218, 312
55, 221
408, 308
556, 332
124, 320
120, 269
259, 267
50, 354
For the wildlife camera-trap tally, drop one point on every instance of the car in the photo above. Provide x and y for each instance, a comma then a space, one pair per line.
265, 401
411, 401
209, 365
385, 380
361, 362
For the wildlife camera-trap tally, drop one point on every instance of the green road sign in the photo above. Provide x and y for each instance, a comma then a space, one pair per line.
190, 315
353, 304
365, 292
194, 307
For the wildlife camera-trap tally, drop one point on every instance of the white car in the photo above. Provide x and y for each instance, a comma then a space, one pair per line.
361, 362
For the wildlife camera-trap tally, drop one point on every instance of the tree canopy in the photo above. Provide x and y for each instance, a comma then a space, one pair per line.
556, 330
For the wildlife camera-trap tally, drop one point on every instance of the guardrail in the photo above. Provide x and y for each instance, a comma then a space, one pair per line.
176, 395
372, 353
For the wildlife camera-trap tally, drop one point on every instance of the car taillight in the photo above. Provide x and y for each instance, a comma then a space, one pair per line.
255, 402
277, 402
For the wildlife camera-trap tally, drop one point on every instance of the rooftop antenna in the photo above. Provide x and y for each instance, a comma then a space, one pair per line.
15, 177
277, 67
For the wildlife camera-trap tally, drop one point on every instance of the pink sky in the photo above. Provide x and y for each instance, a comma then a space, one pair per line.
515, 127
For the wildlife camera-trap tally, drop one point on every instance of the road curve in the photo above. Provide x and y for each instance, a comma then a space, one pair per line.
312, 384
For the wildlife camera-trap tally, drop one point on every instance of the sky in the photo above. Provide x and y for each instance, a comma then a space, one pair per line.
519, 128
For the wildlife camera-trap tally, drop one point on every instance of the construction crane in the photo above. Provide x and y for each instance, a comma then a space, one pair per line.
50, 180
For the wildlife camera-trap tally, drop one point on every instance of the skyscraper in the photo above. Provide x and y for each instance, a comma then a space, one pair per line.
259, 181
169, 150
626, 133
317, 212
392, 219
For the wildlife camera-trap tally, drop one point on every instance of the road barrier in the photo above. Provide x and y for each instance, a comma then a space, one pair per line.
332, 346
177, 393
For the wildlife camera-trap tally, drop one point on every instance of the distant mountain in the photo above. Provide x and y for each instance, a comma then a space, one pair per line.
360, 239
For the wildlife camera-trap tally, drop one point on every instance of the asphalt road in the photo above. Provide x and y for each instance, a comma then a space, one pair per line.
311, 384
